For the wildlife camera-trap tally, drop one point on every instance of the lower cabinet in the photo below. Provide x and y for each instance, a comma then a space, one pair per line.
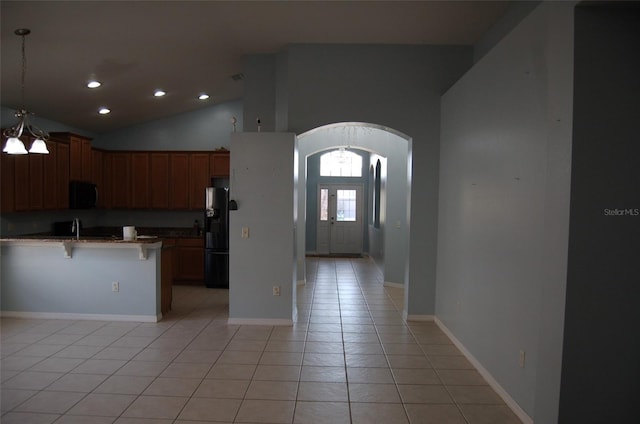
188, 261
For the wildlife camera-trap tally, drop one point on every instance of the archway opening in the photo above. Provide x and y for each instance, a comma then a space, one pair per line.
389, 158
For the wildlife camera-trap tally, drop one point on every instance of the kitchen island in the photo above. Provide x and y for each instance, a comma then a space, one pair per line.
90, 278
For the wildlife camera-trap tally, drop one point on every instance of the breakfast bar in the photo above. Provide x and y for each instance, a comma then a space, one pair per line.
90, 278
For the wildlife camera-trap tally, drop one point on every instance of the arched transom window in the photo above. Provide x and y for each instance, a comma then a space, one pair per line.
340, 163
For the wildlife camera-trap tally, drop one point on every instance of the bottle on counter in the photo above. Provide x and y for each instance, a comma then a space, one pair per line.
196, 227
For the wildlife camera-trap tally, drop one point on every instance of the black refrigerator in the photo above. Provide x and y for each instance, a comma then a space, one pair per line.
216, 237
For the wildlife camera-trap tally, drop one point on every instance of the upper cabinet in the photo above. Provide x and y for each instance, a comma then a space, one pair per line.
22, 183
50, 177
36, 188
159, 180
62, 175
219, 164
199, 179
7, 180
80, 156
140, 187
97, 174
179, 181
125, 179
120, 180
105, 200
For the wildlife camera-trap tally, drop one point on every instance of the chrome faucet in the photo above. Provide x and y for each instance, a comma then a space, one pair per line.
75, 227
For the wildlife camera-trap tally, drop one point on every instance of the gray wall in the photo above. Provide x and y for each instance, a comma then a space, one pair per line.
8, 119
204, 129
600, 367
395, 86
516, 11
263, 183
504, 210
260, 73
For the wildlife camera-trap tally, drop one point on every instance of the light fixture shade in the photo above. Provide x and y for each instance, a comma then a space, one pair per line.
14, 146
39, 146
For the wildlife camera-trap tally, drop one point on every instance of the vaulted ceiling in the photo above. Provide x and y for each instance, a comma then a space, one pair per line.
190, 47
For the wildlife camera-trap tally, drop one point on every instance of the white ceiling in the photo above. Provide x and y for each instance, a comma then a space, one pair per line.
188, 47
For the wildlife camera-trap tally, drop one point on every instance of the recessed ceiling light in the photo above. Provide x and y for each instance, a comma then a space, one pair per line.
159, 93
203, 96
94, 84
104, 110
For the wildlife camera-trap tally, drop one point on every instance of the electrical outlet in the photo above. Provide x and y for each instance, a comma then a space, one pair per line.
245, 232
521, 358
276, 290
115, 286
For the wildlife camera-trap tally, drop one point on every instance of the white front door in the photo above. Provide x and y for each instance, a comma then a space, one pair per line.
340, 212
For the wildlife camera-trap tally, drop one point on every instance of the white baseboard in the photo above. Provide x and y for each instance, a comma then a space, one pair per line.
419, 318
512, 404
259, 321
396, 285
87, 317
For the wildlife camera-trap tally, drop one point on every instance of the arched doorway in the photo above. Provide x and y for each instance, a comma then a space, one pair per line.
389, 236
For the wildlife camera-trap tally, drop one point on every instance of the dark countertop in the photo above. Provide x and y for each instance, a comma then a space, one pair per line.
86, 239
115, 234
146, 235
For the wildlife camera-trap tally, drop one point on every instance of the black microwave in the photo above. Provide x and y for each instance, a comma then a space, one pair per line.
82, 195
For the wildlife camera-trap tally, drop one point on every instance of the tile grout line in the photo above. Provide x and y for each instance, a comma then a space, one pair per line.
386, 356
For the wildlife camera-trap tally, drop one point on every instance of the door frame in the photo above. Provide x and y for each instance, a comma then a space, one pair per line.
325, 229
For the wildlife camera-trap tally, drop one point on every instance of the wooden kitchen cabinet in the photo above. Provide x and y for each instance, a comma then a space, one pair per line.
120, 180
85, 159
179, 181
22, 182
189, 260
159, 176
104, 196
49, 177
79, 155
198, 179
97, 174
62, 175
75, 161
219, 164
140, 180
36, 185
7, 181
36, 182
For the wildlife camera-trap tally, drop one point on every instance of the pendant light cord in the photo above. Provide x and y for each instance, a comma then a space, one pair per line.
24, 68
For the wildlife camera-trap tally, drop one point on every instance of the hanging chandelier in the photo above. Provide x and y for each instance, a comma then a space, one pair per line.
14, 145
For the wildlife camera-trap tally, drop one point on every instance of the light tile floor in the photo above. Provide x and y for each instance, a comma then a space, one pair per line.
350, 358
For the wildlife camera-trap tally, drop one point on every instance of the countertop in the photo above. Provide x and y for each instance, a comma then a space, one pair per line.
68, 244
113, 235
83, 239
